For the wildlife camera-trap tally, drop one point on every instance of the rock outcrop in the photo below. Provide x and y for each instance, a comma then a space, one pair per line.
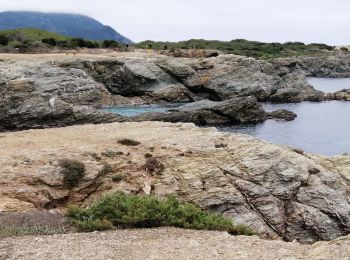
206, 112
341, 95
280, 192
22, 106
282, 114
324, 66
54, 90
218, 78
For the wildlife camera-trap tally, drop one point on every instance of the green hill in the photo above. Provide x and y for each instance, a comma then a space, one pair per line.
32, 35
33, 39
72, 25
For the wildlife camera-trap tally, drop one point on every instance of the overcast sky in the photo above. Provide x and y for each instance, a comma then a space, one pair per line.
173, 20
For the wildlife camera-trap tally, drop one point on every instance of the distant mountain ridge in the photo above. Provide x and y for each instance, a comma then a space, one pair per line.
73, 25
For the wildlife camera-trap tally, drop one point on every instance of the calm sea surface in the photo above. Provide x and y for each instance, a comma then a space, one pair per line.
322, 128
328, 85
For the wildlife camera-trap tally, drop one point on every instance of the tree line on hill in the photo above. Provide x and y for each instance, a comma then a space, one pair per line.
32, 39
51, 42
243, 47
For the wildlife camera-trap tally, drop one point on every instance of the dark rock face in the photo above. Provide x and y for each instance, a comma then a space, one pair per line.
218, 78
205, 112
23, 107
224, 84
138, 78
330, 66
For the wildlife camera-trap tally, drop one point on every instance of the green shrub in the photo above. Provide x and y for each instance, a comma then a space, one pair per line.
50, 41
110, 44
136, 211
153, 165
4, 40
73, 171
81, 43
128, 142
107, 168
118, 178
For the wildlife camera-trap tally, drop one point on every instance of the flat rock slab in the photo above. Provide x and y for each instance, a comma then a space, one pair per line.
280, 192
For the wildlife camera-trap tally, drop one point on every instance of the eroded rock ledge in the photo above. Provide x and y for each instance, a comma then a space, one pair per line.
280, 192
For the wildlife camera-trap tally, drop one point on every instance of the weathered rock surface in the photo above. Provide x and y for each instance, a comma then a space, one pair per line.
282, 114
22, 106
206, 112
329, 66
280, 192
342, 95
166, 243
77, 85
157, 77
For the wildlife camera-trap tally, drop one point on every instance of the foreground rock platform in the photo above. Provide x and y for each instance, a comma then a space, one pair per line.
280, 192
166, 243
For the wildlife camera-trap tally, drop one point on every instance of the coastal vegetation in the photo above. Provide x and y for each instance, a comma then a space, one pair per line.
128, 142
33, 223
120, 210
243, 47
73, 172
28, 39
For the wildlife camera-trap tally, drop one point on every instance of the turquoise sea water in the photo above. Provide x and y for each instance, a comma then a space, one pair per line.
137, 110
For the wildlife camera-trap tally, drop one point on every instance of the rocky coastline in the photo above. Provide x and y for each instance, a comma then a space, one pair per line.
50, 90
281, 192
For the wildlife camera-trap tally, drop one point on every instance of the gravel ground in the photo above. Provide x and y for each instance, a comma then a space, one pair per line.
141, 244
165, 243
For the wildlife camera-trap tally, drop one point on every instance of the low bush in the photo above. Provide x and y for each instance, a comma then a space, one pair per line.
73, 172
110, 44
107, 168
120, 210
50, 41
4, 41
128, 142
33, 223
153, 165
118, 178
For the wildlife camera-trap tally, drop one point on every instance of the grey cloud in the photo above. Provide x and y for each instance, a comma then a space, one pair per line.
173, 20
